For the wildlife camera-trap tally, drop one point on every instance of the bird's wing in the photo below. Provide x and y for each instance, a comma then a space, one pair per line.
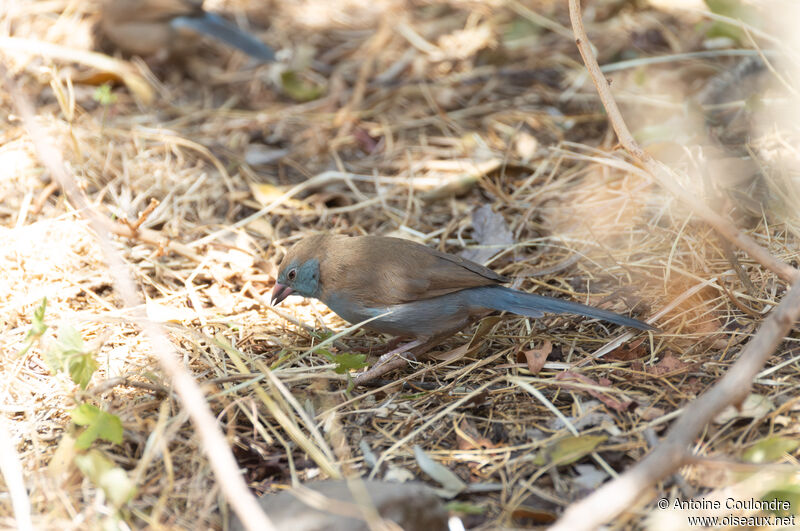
381, 271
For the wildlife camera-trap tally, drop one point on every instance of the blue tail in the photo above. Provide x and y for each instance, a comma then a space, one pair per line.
227, 32
529, 305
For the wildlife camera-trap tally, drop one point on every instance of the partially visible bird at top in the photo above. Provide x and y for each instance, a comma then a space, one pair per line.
426, 294
167, 28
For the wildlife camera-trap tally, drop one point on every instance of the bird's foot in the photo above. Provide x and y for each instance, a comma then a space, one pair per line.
390, 361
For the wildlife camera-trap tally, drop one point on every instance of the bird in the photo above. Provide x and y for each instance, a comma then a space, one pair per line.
171, 28
408, 289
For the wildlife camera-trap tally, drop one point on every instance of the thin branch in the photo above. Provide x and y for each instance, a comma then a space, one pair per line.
192, 399
619, 495
664, 175
11, 469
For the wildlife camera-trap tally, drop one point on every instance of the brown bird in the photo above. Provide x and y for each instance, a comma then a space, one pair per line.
167, 28
426, 294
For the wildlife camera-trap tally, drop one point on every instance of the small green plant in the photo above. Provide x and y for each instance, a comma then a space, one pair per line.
99, 425
69, 354
736, 10
38, 327
104, 96
298, 88
101, 471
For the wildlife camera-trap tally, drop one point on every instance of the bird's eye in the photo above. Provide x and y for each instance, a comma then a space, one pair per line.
291, 274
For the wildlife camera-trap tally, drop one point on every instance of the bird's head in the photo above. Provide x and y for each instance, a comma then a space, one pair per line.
299, 271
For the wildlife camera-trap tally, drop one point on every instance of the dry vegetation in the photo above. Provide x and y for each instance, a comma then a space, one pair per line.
427, 111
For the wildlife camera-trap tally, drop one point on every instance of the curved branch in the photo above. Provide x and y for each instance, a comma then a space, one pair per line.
192, 399
664, 175
620, 494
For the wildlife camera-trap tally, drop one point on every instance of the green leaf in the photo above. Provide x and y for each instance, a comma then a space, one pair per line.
70, 341
735, 9
103, 95
325, 352
299, 89
465, 507
349, 362
789, 493
81, 368
568, 450
520, 28
770, 449
99, 425
113, 480
38, 327
70, 354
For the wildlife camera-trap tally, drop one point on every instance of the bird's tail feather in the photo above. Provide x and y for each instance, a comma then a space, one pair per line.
529, 305
227, 32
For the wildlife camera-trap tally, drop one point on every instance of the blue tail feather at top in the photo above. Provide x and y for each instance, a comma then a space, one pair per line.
227, 32
501, 298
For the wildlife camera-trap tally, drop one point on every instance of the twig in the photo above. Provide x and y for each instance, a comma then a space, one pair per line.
127, 382
15, 483
620, 494
143, 216
42, 197
212, 439
665, 176
151, 237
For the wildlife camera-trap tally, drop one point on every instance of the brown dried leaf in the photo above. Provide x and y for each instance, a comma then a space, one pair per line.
536, 358
669, 364
469, 438
607, 398
628, 352
491, 233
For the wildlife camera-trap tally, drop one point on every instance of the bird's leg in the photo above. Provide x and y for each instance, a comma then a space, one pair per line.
395, 360
390, 361
380, 349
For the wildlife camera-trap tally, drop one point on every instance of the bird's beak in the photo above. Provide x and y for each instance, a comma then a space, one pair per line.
280, 292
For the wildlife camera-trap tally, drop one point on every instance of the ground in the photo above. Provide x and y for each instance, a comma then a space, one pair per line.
467, 126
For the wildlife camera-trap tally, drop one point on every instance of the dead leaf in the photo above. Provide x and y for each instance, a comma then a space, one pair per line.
669, 364
649, 413
258, 154
368, 143
589, 476
628, 352
455, 177
754, 407
96, 78
484, 328
536, 358
526, 146
568, 450
450, 482
605, 397
534, 515
266, 194
468, 438
490, 232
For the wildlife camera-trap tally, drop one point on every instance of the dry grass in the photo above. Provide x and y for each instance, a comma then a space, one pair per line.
429, 112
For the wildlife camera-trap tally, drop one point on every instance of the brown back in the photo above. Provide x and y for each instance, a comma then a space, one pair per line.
381, 271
